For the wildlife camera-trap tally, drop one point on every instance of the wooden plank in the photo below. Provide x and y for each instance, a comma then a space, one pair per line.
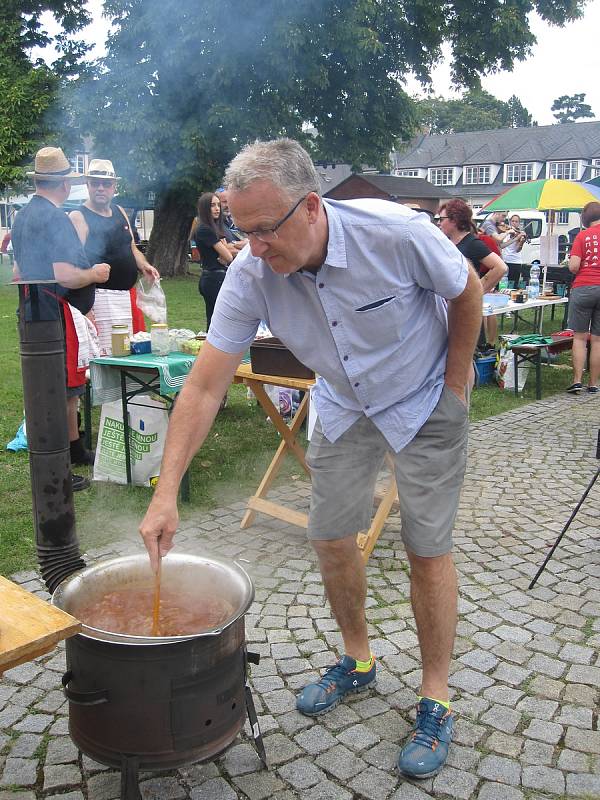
279, 512
366, 542
29, 626
244, 372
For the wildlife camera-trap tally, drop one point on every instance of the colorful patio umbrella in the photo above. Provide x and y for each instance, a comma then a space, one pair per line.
593, 186
549, 194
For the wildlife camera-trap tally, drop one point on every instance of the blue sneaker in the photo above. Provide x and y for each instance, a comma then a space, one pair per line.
426, 752
336, 683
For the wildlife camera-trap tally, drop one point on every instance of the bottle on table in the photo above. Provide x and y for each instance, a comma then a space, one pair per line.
533, 290
159, 338
503, 285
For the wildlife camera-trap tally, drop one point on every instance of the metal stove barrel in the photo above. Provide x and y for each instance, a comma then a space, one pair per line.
43, 369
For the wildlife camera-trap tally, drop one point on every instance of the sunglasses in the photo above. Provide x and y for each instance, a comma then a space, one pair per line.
99, 182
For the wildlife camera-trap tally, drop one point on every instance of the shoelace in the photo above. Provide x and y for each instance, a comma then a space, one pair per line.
332, 674
427, 732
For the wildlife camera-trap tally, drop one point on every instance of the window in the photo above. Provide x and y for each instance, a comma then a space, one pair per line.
564, 170
442, 177
477, 175
518, 173
560, 217
78, 162
595, 171
407, 173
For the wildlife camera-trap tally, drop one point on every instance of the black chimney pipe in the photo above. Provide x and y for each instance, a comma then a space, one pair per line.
44, 393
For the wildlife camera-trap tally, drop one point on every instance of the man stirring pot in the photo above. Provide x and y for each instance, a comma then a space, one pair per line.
386, 310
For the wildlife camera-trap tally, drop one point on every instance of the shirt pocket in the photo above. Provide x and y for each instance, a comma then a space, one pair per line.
380, 320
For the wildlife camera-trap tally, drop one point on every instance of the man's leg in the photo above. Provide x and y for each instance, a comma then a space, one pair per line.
72, 406
345, 581
343, 483
434, 596
429, 474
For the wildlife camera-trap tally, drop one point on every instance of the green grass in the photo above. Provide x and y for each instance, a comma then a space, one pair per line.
228, 467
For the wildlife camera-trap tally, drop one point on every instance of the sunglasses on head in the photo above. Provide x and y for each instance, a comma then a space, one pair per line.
107, 183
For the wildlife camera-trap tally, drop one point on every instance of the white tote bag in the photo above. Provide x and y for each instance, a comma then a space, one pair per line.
148, 420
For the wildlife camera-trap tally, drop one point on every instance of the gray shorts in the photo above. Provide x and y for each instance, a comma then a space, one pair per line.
429, 476
584, 309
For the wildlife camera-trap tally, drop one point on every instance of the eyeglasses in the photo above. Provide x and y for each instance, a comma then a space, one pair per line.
437, 220
270, 234
95, 182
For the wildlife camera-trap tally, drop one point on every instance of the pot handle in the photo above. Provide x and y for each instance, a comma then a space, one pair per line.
83, 698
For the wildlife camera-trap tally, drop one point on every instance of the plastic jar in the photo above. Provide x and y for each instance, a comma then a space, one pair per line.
120, 344
159, 337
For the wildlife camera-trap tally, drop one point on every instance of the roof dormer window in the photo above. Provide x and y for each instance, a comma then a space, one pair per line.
564, 170
442, 176
479, 174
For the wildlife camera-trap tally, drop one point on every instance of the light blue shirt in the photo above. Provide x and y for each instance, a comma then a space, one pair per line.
372, 323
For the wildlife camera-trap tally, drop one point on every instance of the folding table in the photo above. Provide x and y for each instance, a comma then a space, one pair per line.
366, 540
125, 378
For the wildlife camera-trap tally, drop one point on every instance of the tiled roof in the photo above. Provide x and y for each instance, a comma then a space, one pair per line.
572, 140
404, 187
396, 186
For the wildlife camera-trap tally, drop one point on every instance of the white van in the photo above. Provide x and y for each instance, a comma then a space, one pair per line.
534, 224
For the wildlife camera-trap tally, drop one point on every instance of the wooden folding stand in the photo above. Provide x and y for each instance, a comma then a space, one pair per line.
366, 540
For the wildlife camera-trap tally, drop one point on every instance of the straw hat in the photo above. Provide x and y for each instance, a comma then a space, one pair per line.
51, 164
101, 168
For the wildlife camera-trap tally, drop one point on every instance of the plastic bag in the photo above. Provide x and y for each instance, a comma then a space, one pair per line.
147, 434
20, 440
283, 398
151, 300
505, 367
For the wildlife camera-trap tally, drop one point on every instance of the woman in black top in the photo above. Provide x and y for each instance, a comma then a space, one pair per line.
209, 235
455, 219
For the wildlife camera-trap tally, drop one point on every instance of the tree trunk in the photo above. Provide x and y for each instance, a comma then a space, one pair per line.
168, 243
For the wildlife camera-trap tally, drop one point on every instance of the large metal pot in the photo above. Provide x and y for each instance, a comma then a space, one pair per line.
166, 701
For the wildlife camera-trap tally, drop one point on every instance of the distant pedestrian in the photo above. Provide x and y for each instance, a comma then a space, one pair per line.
584, 301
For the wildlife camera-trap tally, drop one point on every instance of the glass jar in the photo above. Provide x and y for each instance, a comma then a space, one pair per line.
120, 344
159, 337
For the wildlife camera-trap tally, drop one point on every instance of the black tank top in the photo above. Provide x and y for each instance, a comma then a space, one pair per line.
109, 241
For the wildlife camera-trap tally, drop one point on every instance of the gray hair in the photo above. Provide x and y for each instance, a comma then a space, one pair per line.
284, 162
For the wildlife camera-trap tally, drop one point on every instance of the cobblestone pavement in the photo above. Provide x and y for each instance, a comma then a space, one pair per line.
525, 676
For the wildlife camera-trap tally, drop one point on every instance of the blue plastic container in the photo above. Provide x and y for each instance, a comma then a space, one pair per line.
140, 348
485, 369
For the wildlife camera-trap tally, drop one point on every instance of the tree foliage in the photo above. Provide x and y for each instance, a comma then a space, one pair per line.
570, 108
519, 116
476, 110
185, 83
27, 89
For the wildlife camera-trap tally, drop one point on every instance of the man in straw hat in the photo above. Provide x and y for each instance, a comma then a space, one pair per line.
105, 232
46, 246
